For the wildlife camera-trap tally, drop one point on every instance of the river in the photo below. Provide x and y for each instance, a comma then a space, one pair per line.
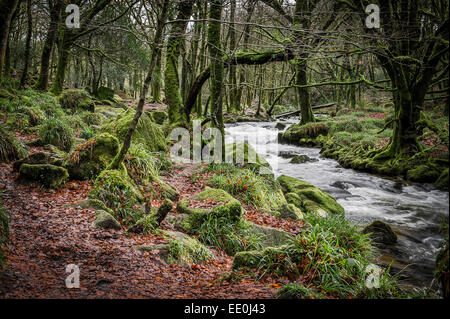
415, 211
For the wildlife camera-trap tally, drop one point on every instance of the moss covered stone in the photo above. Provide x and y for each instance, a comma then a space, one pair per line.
300, 159
39, 158
119, 193
304, 134
147, 224
91, 203
159, 116
250, 259
442, 182
147, 132
216, 202
244, 155
290, 211
48, 175
10, 148
90, 158
105, 220
105, 93
381, 232
76, 99
270, 236
309, 197
422, 174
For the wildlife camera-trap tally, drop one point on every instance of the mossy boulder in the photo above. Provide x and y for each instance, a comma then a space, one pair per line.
253, 258
91, 203
422, 174
105, 220
147, 132
244, 155
309, 197
270, 236
10, 148
210, 201
290, 211
76, 99
147, 224
48, 175
300, 159
105, 93
181, 249
381, 232
88, 159
159, 116
442, 182
119, 193
39, 158
304, 134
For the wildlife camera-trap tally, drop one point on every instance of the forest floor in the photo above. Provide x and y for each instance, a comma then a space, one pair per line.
47, 234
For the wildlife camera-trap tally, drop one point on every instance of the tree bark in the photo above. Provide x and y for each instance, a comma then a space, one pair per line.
7, 8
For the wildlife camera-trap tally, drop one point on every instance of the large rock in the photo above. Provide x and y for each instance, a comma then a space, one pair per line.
422, 174
105, 93
270, 236
76, 100
244, 155
90, 158
48, 175
180, 249
147, 132
105, 220
39, 158
196, 209
308, 197
381, 232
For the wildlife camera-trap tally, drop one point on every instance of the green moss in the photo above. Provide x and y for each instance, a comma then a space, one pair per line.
442, 182
227, 207
119, 193
290, 211
90, 158
442, 269
270, 236
187, 250
146, 224
312, 198
105, 220
105, 93
147, 133
246, 185
381, 232
250, 259
158, 116
294, 290
92, 203
296, 132
244, 155
57, 132
39, 158
76, 99
17, 121
10, 148
422, 174
48, 175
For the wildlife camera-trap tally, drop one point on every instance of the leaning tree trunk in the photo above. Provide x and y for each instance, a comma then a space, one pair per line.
154, 56
55, 15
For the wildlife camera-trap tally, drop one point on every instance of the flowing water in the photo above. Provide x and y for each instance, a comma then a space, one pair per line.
415, 211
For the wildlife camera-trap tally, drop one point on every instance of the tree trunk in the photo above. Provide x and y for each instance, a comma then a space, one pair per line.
61, 66
7, 8
23, 78
55, 14
155, 51
175, 44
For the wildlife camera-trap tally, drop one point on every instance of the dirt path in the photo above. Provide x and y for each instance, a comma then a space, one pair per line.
46, 236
